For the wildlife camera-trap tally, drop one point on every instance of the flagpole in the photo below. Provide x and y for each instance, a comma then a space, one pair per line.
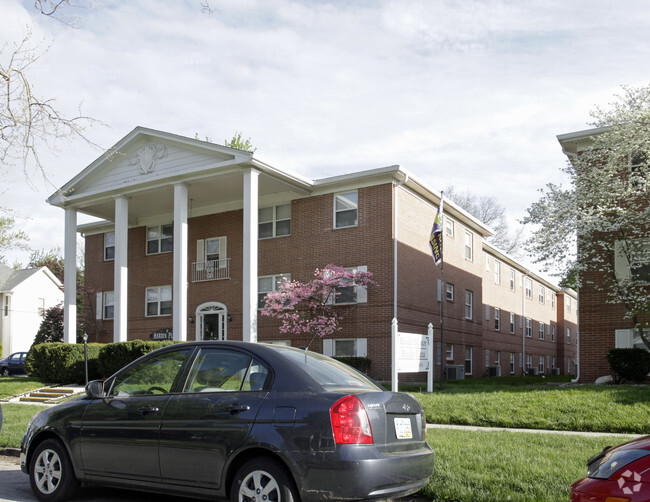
442, 296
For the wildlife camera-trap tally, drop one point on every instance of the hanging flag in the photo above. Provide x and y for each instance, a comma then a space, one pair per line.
435, 239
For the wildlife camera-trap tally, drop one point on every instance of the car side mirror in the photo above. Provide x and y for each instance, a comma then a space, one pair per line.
95, 389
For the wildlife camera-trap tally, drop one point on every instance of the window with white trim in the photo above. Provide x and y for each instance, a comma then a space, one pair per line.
274, 221
211, 253
552, 332
469, 304
353, 293
568, 336
512, 363
542, 294
552, 361
5, 307
529, 288
497, 272
345, 347
497, 319
268, 283
41, 307
552, 300
497, 361
542, 330
529, 327
449, 292
529, 361
160, 239
346, 209
108, 305
512, 279
159, 301
450, 352
487, 262
540, 368
449, 227
109, 246
469, 245
512, 322
468, 360
487, 357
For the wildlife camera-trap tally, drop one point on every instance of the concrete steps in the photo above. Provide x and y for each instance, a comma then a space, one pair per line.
47, 395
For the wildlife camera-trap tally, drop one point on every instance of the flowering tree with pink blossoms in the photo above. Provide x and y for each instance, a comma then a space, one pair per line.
306, 307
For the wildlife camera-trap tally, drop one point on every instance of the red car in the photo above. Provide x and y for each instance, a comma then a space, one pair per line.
619, 474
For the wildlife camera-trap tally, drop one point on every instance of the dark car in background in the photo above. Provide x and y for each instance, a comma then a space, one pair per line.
13, 365
250, 422
619, 474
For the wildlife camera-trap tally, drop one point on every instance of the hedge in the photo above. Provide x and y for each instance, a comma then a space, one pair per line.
114, 356
58, 362
630, 365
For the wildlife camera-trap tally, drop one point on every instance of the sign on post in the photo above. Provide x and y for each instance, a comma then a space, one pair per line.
412, 353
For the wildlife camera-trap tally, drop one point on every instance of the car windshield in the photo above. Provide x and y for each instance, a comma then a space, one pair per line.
329, 373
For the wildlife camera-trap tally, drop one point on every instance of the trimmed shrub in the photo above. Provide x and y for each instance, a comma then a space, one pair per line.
360, 363
62, 362
630, 365
114, 356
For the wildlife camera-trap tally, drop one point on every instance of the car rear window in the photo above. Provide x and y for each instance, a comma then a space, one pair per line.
328, 372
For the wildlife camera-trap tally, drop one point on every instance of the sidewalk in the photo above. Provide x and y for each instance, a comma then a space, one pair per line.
532, 431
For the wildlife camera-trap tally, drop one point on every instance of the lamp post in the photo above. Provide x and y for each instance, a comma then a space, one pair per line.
86, 355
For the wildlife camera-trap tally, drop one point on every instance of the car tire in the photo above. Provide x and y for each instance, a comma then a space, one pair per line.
263, 479
50, 472
4, 372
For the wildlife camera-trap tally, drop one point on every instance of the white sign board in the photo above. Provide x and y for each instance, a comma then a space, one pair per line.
412, 353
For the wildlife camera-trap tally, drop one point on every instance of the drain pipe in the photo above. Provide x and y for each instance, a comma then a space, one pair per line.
396, 185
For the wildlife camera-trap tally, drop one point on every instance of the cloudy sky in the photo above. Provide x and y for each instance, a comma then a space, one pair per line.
470, 93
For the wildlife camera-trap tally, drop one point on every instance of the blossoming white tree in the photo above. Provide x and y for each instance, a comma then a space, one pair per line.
600, 223
306, 307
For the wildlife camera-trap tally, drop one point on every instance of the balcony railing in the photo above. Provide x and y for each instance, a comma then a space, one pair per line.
213, 270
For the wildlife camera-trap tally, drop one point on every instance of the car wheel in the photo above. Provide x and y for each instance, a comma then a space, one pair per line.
4, 372
263, 480
51, 473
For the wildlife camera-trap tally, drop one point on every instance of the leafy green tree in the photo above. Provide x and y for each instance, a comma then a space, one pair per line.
599, 223
51, 328
239, 143
51, 259
9, 237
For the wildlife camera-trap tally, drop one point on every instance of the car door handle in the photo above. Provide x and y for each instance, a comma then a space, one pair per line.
145, 410
238, 408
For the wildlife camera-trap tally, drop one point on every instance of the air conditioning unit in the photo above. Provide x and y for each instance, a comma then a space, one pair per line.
532, 371
555, 371
494, 371
455, 372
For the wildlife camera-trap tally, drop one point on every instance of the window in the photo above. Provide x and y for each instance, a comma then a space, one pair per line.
632, 260
542, 330
512, 363
160, 239
553, 362
218, 370
109, 246
552, 300
552, 332
345, 347
497, 361
450, 352
512, 279
529, 327
487, 263
487, 357
5, 308
449, 227
568, 304
512, 322
568, 336
541, 365
449, 292
638, 174
529, 362
268, 283
41, 307
108, 302
542, 294
352, 294
497, 319
275, 221
469, 301
497, 272
529, 288
346, 209
469, 247
159, 301
468, 360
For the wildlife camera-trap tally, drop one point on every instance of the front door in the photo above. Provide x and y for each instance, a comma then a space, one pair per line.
212, 322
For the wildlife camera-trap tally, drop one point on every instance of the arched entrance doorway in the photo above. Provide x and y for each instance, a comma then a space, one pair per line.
212, 321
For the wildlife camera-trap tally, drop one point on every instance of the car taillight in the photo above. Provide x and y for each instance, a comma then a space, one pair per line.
350, 422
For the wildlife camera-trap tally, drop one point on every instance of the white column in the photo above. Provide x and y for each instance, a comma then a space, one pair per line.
121, 285
249, 294
180, 263
70, 272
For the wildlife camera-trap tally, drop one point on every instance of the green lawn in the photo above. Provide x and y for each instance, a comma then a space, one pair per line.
16, 417
12, 386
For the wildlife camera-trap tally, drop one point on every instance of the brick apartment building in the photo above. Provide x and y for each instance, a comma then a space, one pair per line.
191, 235
603, 325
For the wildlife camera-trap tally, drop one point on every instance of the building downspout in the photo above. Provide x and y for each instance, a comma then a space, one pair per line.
396, 185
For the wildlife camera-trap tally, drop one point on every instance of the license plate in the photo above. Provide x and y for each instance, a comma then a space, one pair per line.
403, 428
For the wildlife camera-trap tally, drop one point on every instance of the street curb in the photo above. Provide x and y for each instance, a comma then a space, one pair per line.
10, 452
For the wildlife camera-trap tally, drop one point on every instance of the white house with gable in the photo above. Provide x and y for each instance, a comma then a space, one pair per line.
25, 295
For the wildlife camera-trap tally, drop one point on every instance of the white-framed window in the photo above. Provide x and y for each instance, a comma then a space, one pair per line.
5, 306
468, 360
449, 292
497, 360
487, 357
469, 245
469, 304
552, 300
211, 253
40, 308
268, 283
529, 327
497, 272
450, 352
108, 305
274, 221
529, 361
552, 361
497, 319
352, 294
159, 301
449, 227
529, 288
512, 279
540, 368
553, 333
542, 294
345, 347
487, 262
512, 363
109, 246
568, 304
160, 239
346, 209
542, 331
568, 336
512, 322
